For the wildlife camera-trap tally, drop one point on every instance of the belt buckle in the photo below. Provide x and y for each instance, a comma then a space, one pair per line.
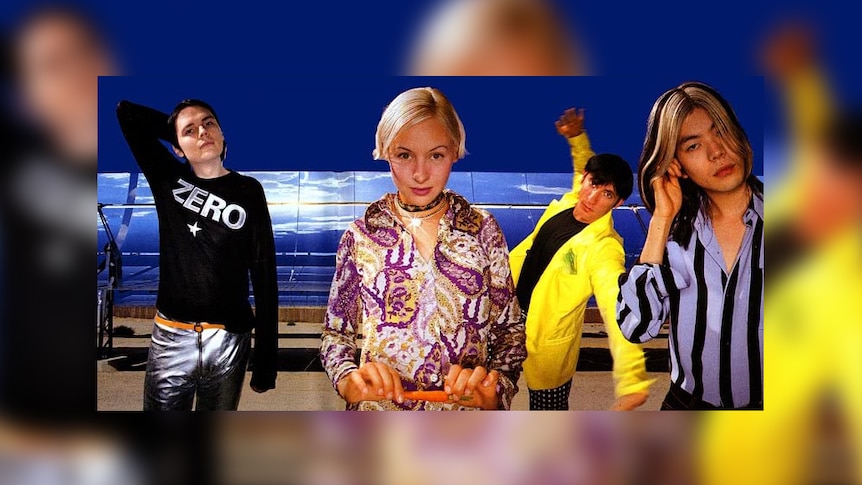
198, 327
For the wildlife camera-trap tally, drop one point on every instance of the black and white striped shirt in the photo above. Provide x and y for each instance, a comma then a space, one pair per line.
716, 319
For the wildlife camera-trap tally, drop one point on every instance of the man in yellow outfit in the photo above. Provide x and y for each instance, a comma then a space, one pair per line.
572, 254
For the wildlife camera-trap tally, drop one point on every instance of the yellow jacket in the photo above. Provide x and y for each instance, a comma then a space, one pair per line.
588, 264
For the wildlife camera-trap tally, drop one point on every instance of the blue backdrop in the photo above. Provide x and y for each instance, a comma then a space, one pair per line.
336, 38
328, 123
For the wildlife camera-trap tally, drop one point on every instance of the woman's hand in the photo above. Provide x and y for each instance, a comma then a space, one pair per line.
571, 123
668, 194
373, 381
479, 384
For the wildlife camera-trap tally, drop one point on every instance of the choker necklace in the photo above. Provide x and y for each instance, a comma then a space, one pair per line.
418, 208
414, 222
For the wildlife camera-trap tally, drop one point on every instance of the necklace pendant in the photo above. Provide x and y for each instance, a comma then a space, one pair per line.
414, 222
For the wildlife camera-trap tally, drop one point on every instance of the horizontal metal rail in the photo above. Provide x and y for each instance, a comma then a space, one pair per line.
631, 207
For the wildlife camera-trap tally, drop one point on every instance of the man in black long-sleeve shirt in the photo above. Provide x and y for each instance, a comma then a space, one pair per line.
215, 229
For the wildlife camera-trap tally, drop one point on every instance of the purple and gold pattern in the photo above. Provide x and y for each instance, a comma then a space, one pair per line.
420, 317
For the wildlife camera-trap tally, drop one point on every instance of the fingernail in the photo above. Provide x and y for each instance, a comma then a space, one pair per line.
388, 395
448, 390
400, 399
380, 392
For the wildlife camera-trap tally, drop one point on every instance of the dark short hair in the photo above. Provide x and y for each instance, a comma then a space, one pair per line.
607, 168
188, 103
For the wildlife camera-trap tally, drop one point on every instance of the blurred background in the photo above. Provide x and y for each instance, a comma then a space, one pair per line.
811, 430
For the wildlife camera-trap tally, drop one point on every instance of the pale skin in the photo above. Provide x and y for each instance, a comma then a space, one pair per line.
200, 141
420, 159
703, 157
376, 381
594, 201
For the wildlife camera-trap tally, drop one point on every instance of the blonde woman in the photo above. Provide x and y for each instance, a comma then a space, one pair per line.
702, 262
424, 277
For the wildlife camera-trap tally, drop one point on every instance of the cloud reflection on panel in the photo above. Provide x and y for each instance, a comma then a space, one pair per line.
326, 186
279, 187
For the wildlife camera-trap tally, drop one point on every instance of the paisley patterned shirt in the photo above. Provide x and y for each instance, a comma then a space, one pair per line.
420, 317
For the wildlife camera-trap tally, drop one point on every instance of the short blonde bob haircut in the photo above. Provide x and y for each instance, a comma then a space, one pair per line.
413, 107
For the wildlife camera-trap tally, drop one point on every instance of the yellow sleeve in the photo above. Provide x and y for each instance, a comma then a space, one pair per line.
629, 363
581, 153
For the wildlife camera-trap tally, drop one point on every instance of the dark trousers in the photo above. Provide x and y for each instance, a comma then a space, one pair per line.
678, 399
556, 399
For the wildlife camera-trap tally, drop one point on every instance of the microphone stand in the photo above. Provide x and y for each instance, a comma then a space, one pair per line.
105, 295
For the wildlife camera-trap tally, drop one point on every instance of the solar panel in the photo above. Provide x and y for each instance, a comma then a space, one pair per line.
311, 209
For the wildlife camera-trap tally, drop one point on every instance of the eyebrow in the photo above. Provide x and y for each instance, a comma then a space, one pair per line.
692, 137
205, 118
612, 190
399, 147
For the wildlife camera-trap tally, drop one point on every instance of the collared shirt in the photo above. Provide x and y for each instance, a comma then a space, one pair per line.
716, 316
421, 317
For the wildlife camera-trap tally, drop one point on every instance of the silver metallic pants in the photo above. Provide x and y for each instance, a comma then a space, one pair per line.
184, 362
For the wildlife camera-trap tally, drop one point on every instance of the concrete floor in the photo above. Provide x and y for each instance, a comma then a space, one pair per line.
120, 379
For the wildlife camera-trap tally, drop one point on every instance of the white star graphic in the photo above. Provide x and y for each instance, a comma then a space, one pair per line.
193, 228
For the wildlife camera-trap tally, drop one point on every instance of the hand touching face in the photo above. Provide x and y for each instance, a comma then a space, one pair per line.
667, 191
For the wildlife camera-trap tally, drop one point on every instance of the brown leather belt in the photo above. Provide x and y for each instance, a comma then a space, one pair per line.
197, 327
